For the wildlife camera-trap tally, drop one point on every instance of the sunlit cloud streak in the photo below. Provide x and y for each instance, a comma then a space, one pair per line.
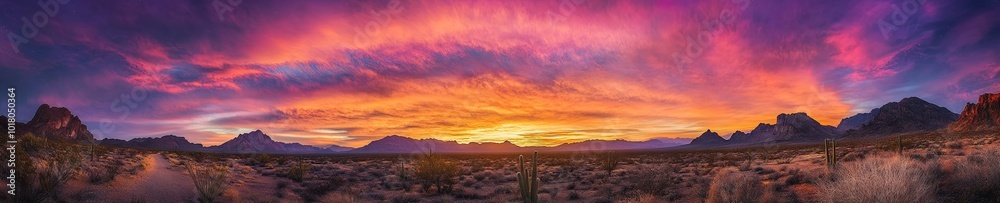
531, 72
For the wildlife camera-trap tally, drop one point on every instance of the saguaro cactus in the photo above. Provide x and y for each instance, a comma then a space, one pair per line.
527, 181
610, 164
830, 149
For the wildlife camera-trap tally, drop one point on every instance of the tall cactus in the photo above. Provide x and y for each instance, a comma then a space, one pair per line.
610, 164
527, 181
830, 149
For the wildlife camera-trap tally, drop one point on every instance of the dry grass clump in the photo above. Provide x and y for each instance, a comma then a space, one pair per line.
976, 179
735, 187
99, 174
882, 179
208, 180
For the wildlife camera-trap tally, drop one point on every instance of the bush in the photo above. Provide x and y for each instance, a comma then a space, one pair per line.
297, 172
654, 181
98, 175
977, 179
60, 167
735, 187
262, 159
317, 188
208, 180
892, 179
435, 171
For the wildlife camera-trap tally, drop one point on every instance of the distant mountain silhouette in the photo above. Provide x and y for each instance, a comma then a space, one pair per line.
856, 121
258, 142
981, 116
58, 123
795, 127
600, 145
708, 138
168, 142
740, 137
400, 144
911, 114
335, 148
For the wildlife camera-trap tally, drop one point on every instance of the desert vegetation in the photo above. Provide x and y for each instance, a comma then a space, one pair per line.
925, 167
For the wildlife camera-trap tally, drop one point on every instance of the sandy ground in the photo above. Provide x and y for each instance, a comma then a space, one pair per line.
158, 183
161, 181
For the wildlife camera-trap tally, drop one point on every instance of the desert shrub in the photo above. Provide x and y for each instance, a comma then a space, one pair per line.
316, 189
734, 187
28, 189
208, 180
479, 176
432, 170
262, 159
297, 172
574, 196
98, 175
884, 179
405, 198
654, 181
977, 179
60, 167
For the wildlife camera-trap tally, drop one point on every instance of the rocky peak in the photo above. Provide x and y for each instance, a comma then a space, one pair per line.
739, 136
908, 115
258, 142
795, 119
708, 138
58, 123
984, 115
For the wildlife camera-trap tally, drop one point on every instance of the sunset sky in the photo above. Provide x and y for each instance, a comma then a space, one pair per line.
532, 72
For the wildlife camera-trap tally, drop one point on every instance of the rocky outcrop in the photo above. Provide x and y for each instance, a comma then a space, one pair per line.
58, 123
708, 138
856, 121
908, 115
984, 115
795, 127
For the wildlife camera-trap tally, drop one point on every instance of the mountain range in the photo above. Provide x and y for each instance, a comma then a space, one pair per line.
908, 115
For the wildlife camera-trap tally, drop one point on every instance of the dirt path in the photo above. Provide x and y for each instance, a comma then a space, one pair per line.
157, 183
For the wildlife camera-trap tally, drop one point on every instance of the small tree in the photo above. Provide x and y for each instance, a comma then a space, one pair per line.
435, 171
